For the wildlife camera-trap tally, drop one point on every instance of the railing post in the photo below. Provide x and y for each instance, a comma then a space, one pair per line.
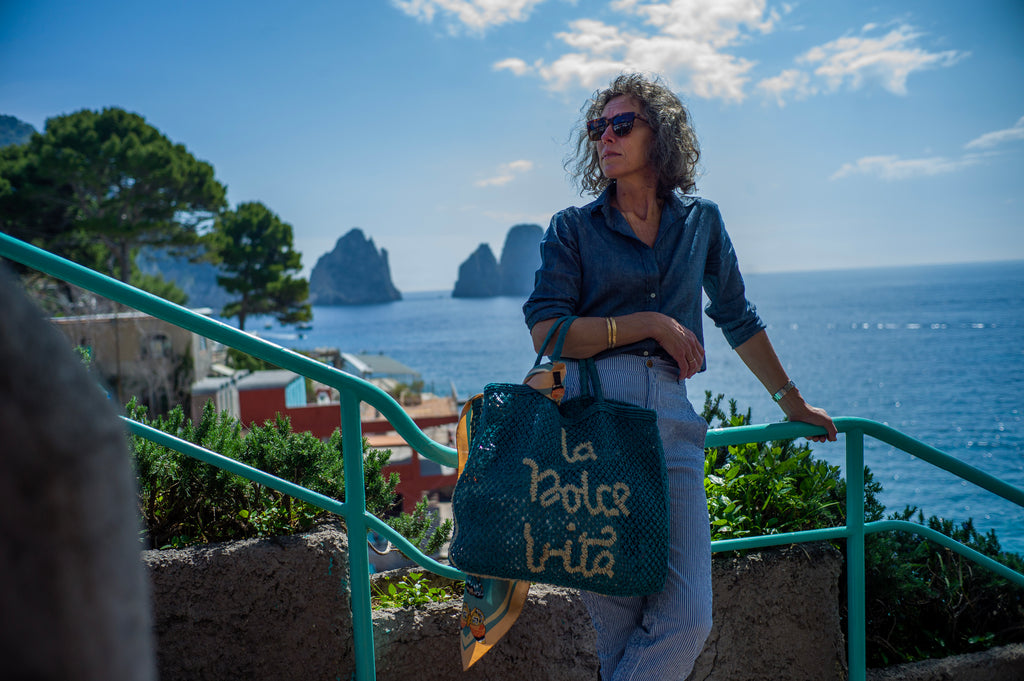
855, 598
355, 521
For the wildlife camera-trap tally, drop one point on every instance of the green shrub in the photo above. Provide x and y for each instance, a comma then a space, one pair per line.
926, 601
413, 591
238, 360
766, 488
923, 601
184, 501
420, 527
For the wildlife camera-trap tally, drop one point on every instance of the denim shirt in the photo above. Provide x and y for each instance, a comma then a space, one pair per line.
593, 265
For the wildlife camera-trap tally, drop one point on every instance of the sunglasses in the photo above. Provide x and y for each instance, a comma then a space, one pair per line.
622, 125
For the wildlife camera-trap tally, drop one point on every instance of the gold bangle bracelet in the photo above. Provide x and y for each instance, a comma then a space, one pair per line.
608, 327
614, 331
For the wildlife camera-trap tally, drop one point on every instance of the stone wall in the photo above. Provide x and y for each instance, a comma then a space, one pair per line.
279, 609
998, 664
257, 609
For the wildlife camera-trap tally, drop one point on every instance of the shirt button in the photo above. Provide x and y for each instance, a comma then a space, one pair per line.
646, 353
654, 295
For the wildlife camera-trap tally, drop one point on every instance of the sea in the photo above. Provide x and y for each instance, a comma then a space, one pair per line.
936, 352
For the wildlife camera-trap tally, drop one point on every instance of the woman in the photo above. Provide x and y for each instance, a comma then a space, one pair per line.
631, 266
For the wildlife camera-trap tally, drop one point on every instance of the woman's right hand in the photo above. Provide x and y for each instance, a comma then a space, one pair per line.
678, 341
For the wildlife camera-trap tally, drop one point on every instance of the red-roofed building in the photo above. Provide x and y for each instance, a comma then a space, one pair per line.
262, 395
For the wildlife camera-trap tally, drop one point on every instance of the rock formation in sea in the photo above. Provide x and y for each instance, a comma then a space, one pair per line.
354, 273
482, 276
479, 275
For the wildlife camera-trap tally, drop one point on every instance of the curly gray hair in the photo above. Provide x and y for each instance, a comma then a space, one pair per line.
674, 151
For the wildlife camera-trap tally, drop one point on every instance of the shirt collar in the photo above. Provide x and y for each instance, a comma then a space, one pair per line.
676, 207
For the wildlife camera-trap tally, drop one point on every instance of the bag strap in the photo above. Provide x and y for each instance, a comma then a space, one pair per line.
589, 379
561, 325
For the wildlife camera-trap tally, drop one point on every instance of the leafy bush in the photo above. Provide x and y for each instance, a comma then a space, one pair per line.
420, 527
923, 600
238, 360
184, 501
766, 488
412, 591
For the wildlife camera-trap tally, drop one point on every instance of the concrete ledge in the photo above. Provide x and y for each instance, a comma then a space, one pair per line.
776, 615
998, 664
255, 609
552, 640
278, 609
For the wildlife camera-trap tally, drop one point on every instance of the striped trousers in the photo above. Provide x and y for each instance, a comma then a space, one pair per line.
658, 637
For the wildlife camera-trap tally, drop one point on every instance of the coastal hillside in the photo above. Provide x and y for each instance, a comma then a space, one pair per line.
197, 279
14, 130
483, 276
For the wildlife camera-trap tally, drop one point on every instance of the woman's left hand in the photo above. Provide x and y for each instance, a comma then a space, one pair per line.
797, 409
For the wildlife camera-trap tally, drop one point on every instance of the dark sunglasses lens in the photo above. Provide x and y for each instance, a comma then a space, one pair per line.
623, 124
595, 128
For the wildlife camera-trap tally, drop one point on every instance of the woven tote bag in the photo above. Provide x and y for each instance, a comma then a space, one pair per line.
571, 494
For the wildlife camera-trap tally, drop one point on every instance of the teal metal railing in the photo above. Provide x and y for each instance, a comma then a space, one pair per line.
359, 522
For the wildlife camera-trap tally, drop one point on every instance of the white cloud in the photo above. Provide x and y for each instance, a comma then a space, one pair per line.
687, 39
516, 66
852, 61
595, 37
888, 59
992, 139
506, 173
719, 23
790, 81
693, 42
476, 15
896, 168
520, 166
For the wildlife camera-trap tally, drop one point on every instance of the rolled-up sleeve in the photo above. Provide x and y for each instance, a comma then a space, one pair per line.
556, 290
727, 304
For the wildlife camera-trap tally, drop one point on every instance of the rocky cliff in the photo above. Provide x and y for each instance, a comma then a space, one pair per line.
14, 131
354, 273
197, 279
482, 276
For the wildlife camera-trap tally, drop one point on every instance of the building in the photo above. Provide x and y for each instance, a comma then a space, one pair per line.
220, 387
378, 367
262, 395
136, 354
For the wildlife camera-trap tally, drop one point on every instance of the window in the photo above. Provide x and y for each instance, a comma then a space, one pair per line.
156, 346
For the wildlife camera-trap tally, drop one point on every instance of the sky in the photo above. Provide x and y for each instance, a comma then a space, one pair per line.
833, 135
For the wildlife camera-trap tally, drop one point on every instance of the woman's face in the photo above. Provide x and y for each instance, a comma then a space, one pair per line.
624, 158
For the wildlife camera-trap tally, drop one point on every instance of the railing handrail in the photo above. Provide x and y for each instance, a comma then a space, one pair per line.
354, 390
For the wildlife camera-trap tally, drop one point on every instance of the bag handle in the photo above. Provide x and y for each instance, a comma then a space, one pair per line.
561, 325
589, 379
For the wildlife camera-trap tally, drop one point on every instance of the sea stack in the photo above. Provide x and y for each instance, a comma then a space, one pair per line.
354, 273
